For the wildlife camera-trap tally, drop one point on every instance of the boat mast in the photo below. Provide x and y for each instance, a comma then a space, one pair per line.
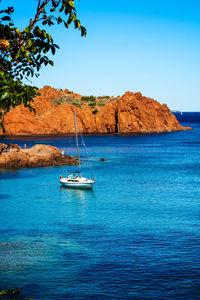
77, 141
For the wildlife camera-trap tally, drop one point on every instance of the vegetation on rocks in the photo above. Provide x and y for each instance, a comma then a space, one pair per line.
66, 99
92, 101
131, 113
12, 294
95, 110
88, 99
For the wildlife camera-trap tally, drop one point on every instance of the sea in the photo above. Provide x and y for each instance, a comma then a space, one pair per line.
136, 235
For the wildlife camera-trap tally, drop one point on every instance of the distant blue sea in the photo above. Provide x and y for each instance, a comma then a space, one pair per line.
135, 236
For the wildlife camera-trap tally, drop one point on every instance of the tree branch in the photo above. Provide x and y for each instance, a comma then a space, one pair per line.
40, 7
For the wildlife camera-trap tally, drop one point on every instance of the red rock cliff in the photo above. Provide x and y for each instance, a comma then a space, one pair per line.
131, 113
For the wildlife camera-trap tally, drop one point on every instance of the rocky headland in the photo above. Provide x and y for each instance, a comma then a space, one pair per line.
12, 156
132, 113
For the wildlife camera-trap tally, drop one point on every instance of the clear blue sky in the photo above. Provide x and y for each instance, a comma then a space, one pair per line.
152, 46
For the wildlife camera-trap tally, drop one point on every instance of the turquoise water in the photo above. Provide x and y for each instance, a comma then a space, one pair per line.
135, 236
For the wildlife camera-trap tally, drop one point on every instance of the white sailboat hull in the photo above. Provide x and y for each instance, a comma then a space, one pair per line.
81, 183
77, 181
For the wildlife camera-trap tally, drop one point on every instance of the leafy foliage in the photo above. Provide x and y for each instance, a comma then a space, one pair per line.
67, 99
103, 97
76, 103
13, 93
91, 101
101, 102
95, 110
92, 104
70, 99
88, 98
24, 52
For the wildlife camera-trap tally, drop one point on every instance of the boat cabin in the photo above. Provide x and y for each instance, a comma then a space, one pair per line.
73, 177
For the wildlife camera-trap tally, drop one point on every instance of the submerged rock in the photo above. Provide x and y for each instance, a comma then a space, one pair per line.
37, 156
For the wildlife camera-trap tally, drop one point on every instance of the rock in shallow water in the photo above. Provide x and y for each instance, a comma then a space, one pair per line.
37, 156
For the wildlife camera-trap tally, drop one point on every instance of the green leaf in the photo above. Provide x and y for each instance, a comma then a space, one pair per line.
66, 24
61, 9
18, 32
77, 24
44, 34
38, 57
71, 3
27, 29
4, 95
6, 18
83, 31
44, 22
49, 37
27, 55
59, 20
29, 43
19, 52
53, 50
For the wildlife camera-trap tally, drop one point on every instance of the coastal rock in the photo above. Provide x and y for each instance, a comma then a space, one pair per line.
9, 148
13, 147
37, 156
138, 114
131, 113
2, 147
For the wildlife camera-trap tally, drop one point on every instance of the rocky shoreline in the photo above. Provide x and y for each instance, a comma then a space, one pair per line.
130, 114
13, 156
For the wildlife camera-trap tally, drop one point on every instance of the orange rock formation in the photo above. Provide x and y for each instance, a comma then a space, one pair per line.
37, 156
131, 113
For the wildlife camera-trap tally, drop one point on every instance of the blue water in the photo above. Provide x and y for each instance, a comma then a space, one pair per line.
135, 236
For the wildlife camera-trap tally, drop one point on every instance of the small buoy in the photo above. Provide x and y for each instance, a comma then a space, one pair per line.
102, 159
60, 176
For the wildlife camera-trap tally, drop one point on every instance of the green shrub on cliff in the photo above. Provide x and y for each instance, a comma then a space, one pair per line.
101, 102
103, 97
76, 103
92, 104
88, 99
67, 99
95, 110
58, 101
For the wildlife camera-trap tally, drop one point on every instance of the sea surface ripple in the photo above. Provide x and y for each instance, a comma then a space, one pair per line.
135, 236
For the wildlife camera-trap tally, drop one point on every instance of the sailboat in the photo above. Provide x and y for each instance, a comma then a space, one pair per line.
75, 179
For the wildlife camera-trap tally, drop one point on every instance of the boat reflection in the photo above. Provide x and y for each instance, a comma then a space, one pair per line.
80, 194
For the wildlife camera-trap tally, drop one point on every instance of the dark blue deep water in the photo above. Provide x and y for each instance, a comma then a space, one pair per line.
135, 236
